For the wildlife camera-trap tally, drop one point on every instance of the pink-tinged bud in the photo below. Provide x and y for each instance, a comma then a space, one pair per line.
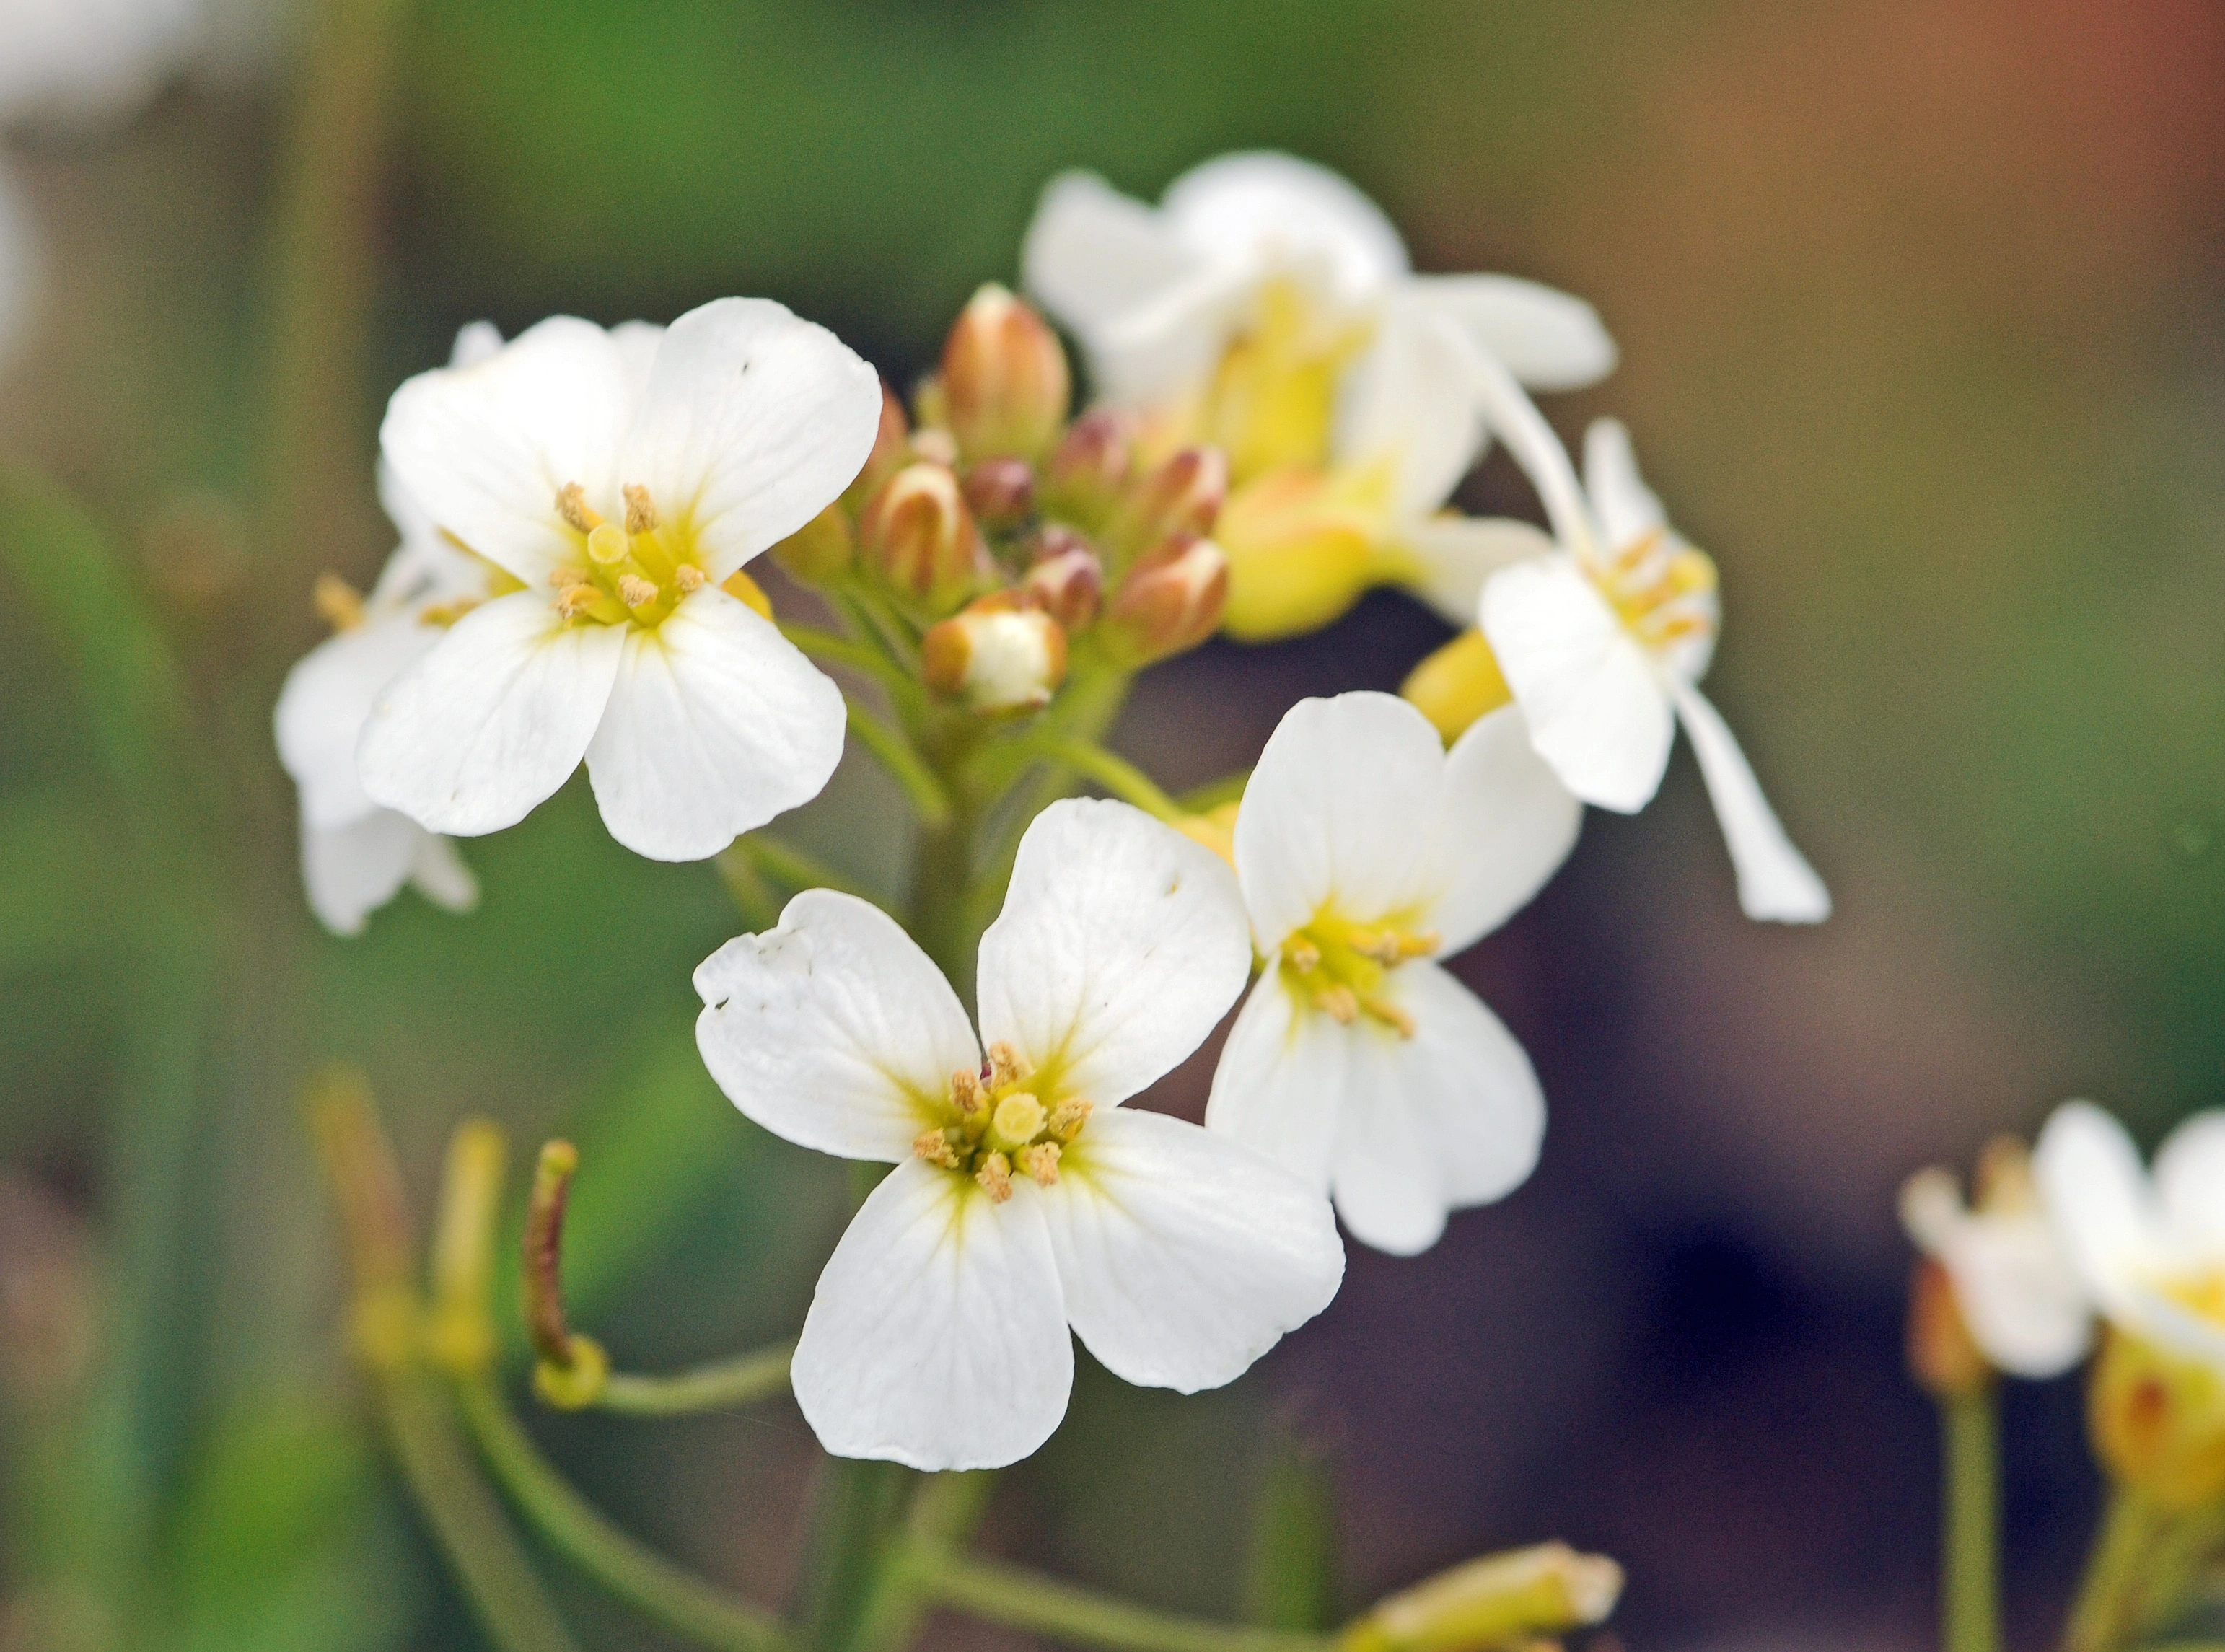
1170, 601
995, 655
1005, 380
821, 550
918, 536
1000, 490
1092, 464
1067, 587
1181, 497
1056, 539
890, 443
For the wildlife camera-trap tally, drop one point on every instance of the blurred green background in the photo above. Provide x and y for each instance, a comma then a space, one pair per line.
1924, 338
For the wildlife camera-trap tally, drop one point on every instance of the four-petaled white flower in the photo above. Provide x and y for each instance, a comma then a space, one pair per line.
1024, 1198
2150, 1250
620, 477
2015, 1290
1367, 852
1603, 636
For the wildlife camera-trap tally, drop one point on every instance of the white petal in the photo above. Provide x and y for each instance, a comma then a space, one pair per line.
475, 342
1450, 1117
2023, 1305
490, 722
1342, 808
437, 872
1931, 1210
1093, 255
1184, 1256
717, 722
351, 871
1514, 419
937, 1337
1774, 879
1457, 555
485, 449
1626, 507
1547, 339
19, 266
752, 422
1507, 824
2097, 1197
2189, 1180
832, 1030
1411, 399
1121, 945
1281, 1082
1596, 710
1164, 349
321, 709
1265, 210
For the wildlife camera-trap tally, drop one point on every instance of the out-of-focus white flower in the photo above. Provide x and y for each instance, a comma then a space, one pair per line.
2016, 1292
1367, 852
2149, 1249
1603, 637
622, 480
1024, 1198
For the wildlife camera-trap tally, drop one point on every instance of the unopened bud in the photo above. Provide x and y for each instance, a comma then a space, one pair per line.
891, 446
1170, 601
995, 657
1181, 497
1299, 556
1942, 1355
1092, 465
1005, 380
1497, 1601
1000, 490
918, 536
1457, 684
1067, 586
2158, 1418
820, 551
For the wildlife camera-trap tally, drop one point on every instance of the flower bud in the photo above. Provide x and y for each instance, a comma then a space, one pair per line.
1089, 469
1299, 556
995, 655
1067, 586
820, 551
1942, 1355
918, 536
891, 444
2158, 1418
1170, 601
1455, 686
1000, 490
1500, 1600
1181, 496
1005, 380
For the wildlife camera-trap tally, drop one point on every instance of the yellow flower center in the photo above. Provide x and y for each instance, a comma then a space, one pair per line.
1341, 968
1662, 590
1006, 1118
634, 572
2202, 1294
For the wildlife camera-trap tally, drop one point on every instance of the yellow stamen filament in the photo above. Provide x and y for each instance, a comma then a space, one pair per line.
1041, 1161
338, 604
995, 1176
1389, 1015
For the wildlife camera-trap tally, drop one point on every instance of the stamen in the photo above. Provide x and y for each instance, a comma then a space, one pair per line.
1389, 1015
447, 613
641, 510
1019, 1117
572, 505
564, 579
1304, 956
1041, 1161
1067, 1118
607, 545
1383, 945
1341, 1002
338, 604
574, 600
1006, 1066
966, 1090
995, 1176
636, 592
1421, 944
690, 579
934, 1147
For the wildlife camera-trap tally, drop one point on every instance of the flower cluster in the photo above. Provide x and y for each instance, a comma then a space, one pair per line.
1284, 410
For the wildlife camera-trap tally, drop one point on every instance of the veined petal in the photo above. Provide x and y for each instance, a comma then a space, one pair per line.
1263, 209
2189, 1180
832, 1030
485, 449
1774, 879
492, 721
322, 707
716, 724
352, 869
1507, 824
1449, 1117
1627, 508
1596, 708
1454, 557
2022, 1304
1282, 1080
1547, 339
1342, 808
752, 422
1093, 255
1411, 399
1121, 944
937, 1337
437, 872
2097, 1197
1184, 1256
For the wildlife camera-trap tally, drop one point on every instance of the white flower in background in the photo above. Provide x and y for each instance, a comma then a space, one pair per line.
622, 479
1603, 636
2150, 1250
1367, 852
2016, 1291
1024, 1198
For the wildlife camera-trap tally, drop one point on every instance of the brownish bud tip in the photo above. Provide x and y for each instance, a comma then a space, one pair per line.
1004, 381
1000, 490
918, 537
1181, 497
1171, 600
1067, 586
1092, 464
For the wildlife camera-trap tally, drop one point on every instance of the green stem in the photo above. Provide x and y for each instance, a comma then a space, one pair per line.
1011, 1595
2105, 1613
929, 798
1229, 788
661, 1590
1115, 773
718, 1387
905, 691
784, 863
855, 1509
1970, 1597
943, 1514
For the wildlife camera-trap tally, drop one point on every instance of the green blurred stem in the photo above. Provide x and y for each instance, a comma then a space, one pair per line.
1018, 1599
904, 691
2107, 1611
1970, 1596
666, 1593
784, 863
1115, 773
1229, 788
929, 798
944, 1511
720, 1386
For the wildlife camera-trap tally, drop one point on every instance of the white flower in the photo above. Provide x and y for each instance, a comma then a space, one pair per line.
1603, 636
2017, 1294
2150, 1250
1365, 852
620, 477
1024, 1198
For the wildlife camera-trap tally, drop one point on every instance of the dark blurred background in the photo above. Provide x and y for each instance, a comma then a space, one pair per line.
1920, 308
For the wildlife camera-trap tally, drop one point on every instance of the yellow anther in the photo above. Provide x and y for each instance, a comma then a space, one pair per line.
606, 544
1303, 955
338, 604
574, 600
1341, 1002
641, 510
1389, 1014
572, 505
1041, 1161
636, 592
1381, 945
995, 1176
934, 1147
1006, 1066
1068, 1117
1423, 943
447, 613
690, 579
565, 578
1019, 1117
966, 1090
